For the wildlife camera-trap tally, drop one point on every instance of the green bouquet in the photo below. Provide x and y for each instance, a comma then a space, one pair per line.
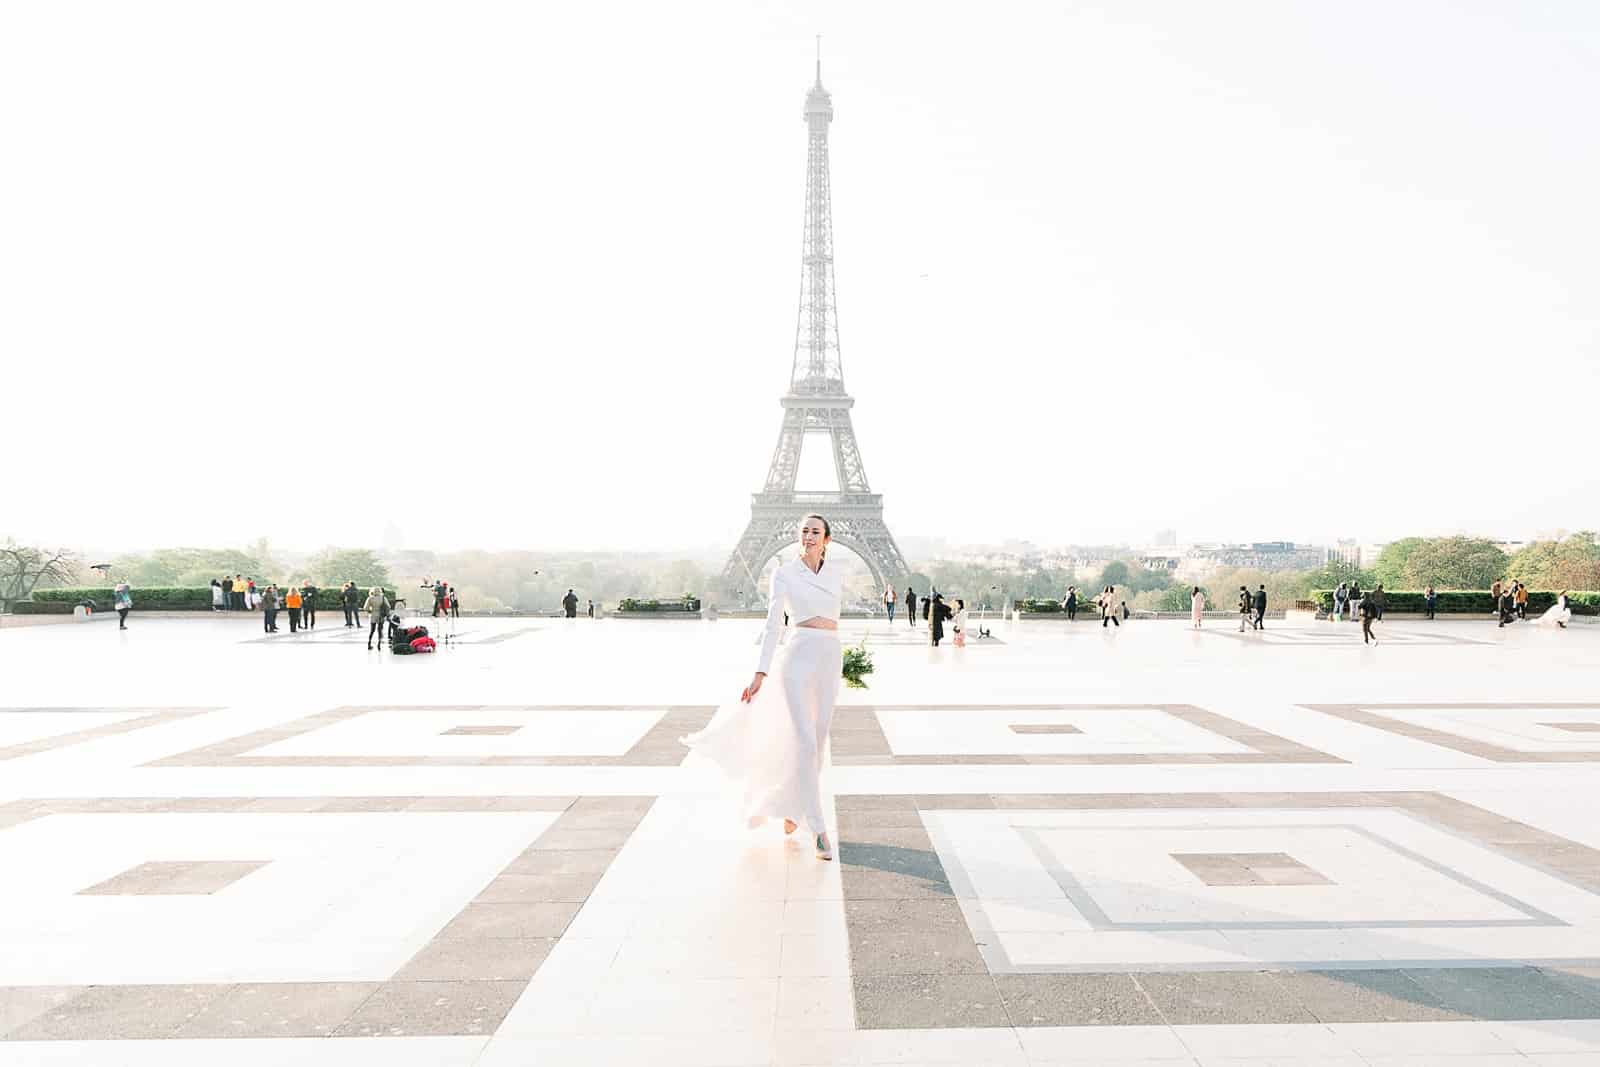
857, 664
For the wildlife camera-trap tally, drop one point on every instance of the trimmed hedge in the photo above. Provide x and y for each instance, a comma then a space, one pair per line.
157, 598
681, 604
1046, 606
1469, 602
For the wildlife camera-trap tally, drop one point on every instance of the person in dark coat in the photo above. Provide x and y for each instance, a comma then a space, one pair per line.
1369, 612
308, 606
1260, 600
227, 592
911, 606
938, 612
269, 610
1072, 602
350, 597
570, 603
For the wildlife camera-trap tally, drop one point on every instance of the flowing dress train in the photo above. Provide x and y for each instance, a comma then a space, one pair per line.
773, 747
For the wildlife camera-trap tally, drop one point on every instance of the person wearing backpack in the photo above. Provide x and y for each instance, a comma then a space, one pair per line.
378, 609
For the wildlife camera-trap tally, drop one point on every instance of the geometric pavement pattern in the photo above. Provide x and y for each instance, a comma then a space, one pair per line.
1026, 872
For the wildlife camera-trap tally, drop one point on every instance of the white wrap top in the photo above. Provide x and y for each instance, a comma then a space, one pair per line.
804, 595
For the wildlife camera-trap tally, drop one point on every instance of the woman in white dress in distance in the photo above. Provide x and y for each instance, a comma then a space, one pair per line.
1559, 613
772, 740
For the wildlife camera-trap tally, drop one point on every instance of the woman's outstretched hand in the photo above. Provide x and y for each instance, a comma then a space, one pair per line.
753, 688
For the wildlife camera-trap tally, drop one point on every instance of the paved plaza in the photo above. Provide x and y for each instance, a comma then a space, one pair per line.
1063, 845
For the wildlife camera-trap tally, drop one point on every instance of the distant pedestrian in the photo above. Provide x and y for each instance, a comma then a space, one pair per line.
570, 604
1341, 600
250, 593
350, 597
958, 624
269, 610
1261, 608
122, 597
1507, 606
216, 595
1430, 601
1122, 609
1197, 607
1071, 602
1494, 596
1245, 607
1355, 599
455, 604
1379, 599
292, 600
591, 610
227, 592
308, 605
938, 612
1522, 600
1369, 614
888, 603
911, 606
1108, 607
377, 606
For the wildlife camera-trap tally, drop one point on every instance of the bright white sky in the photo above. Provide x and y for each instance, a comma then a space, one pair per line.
525, 275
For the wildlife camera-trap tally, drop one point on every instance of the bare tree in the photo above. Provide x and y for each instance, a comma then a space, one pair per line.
23, 568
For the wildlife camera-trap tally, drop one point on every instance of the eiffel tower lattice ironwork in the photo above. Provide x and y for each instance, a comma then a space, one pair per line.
815, 404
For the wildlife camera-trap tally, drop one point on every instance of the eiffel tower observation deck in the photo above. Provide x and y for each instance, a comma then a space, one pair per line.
816, 403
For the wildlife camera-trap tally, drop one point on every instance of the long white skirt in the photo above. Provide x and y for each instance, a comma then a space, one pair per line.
1556, 614
772, 747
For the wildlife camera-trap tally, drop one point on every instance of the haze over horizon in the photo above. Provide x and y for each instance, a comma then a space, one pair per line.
515, 277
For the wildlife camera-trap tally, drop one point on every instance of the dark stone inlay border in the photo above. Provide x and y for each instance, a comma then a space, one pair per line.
857, 739
1370, 715
915, 962
152, 717
1248, 868
461, 983
659, 747
1289, 637
163, 878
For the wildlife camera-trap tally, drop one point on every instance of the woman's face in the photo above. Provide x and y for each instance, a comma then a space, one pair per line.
812, 536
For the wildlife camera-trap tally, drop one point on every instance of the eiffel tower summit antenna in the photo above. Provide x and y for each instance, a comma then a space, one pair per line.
816, 402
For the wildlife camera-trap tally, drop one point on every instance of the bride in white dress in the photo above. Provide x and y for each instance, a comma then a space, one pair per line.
772, 740
1559, 614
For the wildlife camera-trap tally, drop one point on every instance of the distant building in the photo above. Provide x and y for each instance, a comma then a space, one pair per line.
1202, 560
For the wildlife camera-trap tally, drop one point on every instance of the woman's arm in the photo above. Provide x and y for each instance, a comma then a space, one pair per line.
769, 640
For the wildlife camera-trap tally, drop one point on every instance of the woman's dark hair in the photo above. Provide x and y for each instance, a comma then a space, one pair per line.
1196, 589
827, 531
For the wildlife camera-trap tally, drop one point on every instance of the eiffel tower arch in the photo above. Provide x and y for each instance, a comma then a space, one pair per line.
816, 404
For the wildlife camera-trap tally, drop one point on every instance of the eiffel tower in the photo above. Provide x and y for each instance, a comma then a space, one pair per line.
816, 404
